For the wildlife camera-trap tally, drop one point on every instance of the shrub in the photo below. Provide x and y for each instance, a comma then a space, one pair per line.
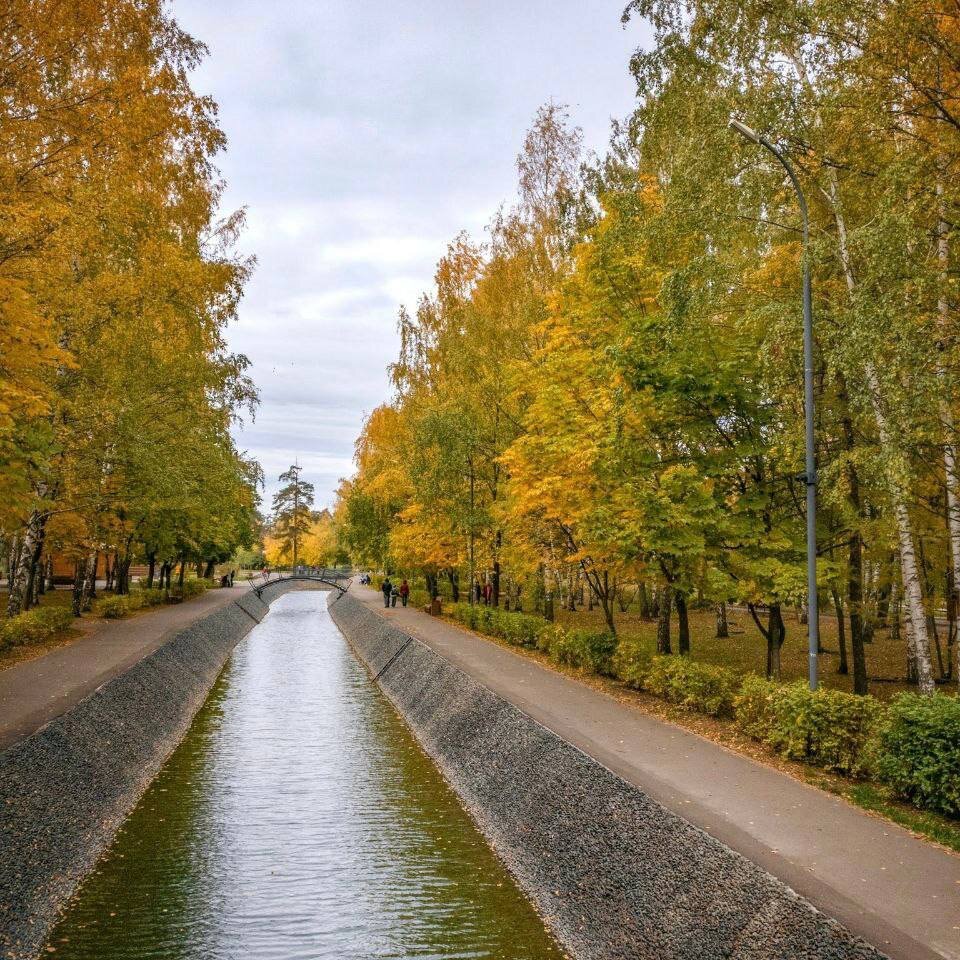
549, 636
34, 626
918, 751
117, 607
587, 649
193, 588
462, 613
827, 727
631, 661
698, 686
419, 598
518, 629
753, 706
151, 597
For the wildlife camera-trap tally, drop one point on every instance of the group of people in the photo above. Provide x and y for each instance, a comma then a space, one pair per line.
391, 592
483, 592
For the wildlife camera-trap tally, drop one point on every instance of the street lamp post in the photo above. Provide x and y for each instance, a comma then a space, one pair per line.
813, 611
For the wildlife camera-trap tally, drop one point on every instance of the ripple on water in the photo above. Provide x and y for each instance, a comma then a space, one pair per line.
299, 820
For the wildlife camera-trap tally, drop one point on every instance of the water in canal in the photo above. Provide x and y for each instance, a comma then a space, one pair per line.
299, 820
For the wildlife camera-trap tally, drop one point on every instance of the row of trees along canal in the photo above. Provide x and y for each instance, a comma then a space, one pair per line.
117, 279
609, 389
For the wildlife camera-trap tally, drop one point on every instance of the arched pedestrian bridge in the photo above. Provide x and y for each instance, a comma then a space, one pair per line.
337, 578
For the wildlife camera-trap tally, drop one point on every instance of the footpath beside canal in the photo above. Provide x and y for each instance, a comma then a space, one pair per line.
895, 891
35, 692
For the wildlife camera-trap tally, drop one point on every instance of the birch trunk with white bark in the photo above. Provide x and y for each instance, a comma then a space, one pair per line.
916, 617
946, 405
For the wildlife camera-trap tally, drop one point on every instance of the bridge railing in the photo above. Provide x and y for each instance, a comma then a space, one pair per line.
333, 576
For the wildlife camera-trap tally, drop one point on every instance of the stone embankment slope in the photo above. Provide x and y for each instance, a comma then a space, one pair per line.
693, 799
34, 692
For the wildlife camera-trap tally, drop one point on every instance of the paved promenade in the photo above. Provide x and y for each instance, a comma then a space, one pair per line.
34, 692
898, 892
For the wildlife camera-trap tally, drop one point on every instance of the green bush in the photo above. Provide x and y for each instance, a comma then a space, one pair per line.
549, 636
829, 728
753, 706
698, 686
586, 649
118, 607
918, 751
419, 598
631, 661
193, 588
34, 626
152, 597
518, 629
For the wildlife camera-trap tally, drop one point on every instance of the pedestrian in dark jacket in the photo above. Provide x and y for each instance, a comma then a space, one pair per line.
387, 588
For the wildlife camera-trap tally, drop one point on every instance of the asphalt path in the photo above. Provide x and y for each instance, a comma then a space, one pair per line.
35, 692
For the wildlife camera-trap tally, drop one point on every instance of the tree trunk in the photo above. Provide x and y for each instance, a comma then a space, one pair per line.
78, 577
41, 586
723, 628
208, 569
777, 634
646, 607
912, 595
90, 580
454, 585
896, 608
683, 623
21, 554
33, 563
151, 568
946, 408
774, 633
665, 596
183, 570
843, 668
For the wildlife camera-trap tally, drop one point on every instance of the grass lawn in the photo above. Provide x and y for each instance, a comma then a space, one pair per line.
745, 650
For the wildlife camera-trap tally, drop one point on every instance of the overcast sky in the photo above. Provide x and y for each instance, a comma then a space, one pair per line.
363, 136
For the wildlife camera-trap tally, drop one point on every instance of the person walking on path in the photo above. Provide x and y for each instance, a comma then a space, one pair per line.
394, 593
387, 588
404, 591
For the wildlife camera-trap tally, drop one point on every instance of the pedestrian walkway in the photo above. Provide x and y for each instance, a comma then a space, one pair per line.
898, 892
34, 692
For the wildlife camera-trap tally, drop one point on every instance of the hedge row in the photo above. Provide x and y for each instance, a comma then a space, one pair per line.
118, 607
34, 626
911, 744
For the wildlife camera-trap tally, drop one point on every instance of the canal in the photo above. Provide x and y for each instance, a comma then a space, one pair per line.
299, 819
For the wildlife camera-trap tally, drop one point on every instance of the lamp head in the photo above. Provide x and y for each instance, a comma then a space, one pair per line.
744, 131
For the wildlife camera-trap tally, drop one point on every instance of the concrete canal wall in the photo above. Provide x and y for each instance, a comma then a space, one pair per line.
614, 873
65, 790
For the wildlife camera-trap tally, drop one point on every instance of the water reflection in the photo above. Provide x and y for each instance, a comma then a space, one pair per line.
299, 819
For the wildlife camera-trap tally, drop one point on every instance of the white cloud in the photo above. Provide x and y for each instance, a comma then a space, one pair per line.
364, 135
